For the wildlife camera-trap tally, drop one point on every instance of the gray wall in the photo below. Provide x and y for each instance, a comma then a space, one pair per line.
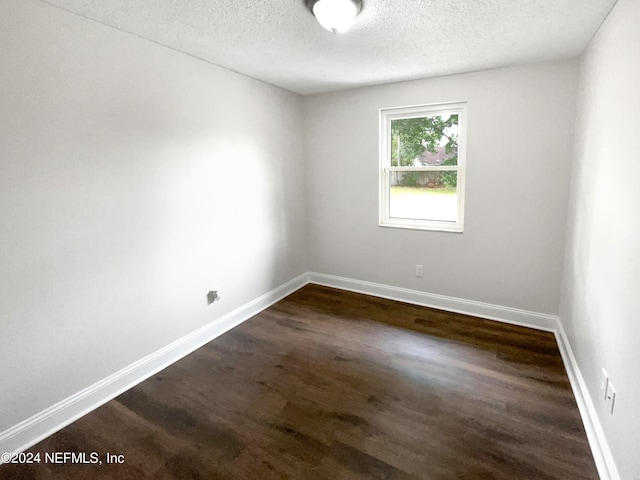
600, 290
520, 131
133, 179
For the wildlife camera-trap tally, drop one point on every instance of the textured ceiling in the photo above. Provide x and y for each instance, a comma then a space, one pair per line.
280, 42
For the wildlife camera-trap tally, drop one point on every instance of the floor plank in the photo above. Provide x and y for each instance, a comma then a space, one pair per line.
328, 384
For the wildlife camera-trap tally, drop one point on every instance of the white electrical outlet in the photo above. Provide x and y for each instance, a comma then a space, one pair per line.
419, 271
610, 397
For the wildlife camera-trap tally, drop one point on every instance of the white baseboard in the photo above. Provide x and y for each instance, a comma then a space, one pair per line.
525, 318
34, 429
595, 434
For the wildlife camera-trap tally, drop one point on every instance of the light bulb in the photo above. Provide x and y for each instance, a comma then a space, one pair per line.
337, 16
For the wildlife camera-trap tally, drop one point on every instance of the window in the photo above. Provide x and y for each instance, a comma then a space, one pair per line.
422, 166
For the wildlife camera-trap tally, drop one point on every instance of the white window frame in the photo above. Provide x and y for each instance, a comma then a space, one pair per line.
417, 111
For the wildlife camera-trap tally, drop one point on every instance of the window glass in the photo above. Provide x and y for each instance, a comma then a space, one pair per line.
422, 166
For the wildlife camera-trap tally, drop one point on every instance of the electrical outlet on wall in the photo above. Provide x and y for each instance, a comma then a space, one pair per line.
419, 271
610, 397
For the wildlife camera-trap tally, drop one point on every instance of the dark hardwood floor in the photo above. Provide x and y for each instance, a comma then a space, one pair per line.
334, 385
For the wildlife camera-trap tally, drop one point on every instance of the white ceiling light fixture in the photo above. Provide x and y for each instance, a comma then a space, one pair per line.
337, 16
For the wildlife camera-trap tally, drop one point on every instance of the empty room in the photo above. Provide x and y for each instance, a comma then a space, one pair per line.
320, 239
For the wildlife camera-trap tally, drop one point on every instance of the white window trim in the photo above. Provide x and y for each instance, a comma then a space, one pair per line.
389, 114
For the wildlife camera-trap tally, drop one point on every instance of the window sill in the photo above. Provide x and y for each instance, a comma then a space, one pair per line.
418, 225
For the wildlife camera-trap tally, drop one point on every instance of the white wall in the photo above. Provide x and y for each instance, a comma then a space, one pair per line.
132, 180
600, 289
520, 131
